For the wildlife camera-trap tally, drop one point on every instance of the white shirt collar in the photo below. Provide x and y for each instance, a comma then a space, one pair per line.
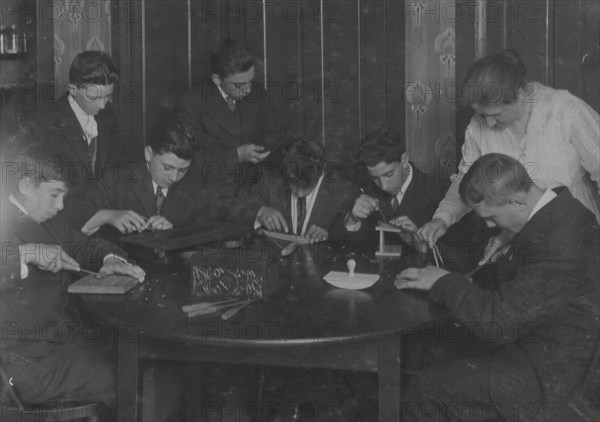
87, 121
546, 197
155, 186
409, 177
17, 204
223, 93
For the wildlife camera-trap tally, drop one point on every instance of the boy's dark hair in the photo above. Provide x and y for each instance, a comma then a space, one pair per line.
174, 136
493, 178
93, 67
304, 163
380, 145
231, 58
37, 162
494, 79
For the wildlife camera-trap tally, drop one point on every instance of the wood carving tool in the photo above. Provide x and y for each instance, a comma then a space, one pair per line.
210, 309
232, 312
98, 275
474, 270
204, 305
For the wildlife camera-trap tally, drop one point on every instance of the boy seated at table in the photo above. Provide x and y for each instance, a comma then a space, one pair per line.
151, 194
41, 350
304, 197
395, 190
538, 322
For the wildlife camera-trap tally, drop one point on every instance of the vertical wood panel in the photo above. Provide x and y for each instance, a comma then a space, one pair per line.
78, 26
206, 19
494, 38
430, 69
526, 32
236, 23
395, 80
44, 49
341, 61
283, 64
311, 55
374, 63
465, 56
166, 50
127, 47
590, 56
253, 18
568, 44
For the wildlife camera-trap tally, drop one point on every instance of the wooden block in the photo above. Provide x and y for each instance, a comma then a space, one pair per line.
388, 250
115, 284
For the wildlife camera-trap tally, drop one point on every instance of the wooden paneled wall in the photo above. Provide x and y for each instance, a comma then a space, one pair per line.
332, 69
78, 26
558, 40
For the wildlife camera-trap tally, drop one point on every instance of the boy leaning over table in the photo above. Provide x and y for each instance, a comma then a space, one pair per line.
305, 197
154, 193
38, 250
543, 306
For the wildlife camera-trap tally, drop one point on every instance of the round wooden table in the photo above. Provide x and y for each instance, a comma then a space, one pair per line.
308, 323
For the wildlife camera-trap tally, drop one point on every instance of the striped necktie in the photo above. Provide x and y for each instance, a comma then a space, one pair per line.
160, 200
395, 206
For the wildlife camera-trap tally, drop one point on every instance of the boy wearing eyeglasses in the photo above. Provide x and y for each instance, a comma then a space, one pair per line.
80, 126
232, 119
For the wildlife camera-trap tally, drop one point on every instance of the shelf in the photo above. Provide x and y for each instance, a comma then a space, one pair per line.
15, 56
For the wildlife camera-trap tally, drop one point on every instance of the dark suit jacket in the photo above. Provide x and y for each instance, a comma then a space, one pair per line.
129, 187
39, 301
544, 308
419, 203
332, 201
17, 228
219, 132
57, 125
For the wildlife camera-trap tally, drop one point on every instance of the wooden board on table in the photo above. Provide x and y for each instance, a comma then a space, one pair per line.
115, 284
185, 237
385, 227
292, 238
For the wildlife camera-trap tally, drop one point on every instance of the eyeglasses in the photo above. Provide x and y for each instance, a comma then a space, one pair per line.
238, 85
94, 93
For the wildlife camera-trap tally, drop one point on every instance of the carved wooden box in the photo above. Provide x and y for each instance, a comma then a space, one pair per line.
248, 272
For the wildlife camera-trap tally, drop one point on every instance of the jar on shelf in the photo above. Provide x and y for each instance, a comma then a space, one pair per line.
12, 44
2, 39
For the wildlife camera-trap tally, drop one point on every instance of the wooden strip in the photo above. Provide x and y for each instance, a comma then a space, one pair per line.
209, 310
203, 305
299, 240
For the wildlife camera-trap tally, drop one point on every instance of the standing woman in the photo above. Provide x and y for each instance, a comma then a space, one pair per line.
554, 134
